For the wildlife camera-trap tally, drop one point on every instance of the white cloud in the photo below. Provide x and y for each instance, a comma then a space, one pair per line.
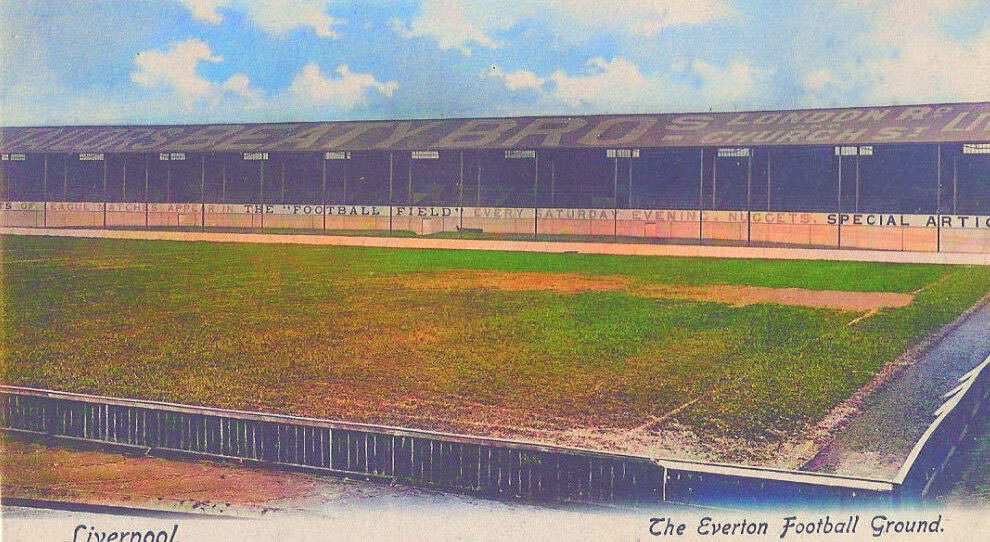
619, 85
344, 92
519, 79
731, 85
613, 81
830, 87
641, 17
907, 57
182, 95
926, 63
453, 25
205, 10
276, 17
815, 80
464, 24
240, 85
175, 70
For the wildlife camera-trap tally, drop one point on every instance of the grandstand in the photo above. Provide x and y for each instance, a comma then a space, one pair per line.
912, 178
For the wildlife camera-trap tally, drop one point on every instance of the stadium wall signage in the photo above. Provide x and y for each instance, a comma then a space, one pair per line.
897, 124
879, 220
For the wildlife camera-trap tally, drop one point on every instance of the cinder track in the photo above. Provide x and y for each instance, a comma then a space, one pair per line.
629, 249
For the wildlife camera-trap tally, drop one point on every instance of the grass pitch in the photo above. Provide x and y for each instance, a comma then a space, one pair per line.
333, 332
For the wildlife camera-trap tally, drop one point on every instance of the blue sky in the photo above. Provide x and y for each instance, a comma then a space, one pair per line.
187, 61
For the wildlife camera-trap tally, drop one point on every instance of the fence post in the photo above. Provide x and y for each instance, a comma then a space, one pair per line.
48, 405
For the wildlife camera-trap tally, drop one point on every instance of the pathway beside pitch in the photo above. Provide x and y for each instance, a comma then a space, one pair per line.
629, 249
35, 472
891, 419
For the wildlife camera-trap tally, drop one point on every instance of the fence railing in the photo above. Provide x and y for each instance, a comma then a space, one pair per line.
923, 470
698, 483
490, 467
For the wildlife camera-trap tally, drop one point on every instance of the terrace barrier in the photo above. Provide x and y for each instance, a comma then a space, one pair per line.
489, 467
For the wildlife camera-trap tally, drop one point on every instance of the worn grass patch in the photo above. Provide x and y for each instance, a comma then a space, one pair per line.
340, 332
570, 283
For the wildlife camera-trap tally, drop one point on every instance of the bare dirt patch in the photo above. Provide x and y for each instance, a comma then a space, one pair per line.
34, 471
750, 295
565, 283
571, 283
31, 470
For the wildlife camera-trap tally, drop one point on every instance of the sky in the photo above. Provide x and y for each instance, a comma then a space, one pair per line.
198, 61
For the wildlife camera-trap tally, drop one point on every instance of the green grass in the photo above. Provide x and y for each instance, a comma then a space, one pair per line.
323, 331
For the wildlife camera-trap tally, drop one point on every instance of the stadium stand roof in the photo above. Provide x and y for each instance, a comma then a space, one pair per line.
935, 123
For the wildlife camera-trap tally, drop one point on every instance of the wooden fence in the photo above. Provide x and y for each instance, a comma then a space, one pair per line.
924, 469
489, 467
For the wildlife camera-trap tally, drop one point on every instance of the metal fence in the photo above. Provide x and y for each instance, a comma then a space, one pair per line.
490, 467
